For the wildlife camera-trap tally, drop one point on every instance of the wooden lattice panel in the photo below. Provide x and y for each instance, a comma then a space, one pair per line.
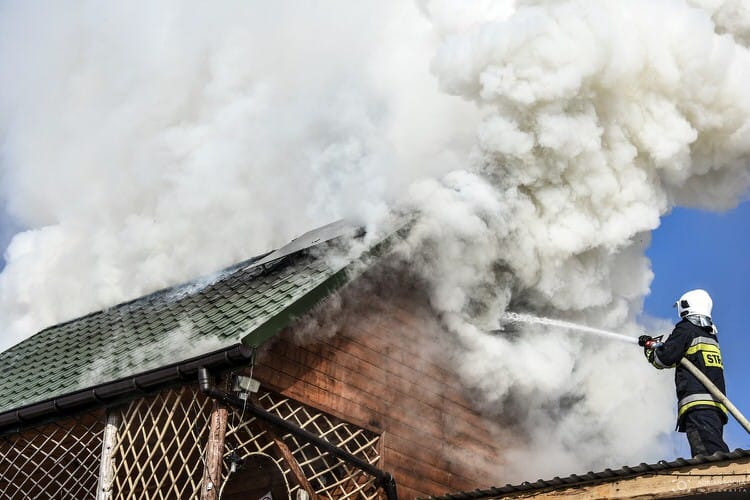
57, 460
160, 445
328, 476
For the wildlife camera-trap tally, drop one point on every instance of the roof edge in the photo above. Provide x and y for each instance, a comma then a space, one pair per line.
299, 307
306, 302
594, 478
121, 390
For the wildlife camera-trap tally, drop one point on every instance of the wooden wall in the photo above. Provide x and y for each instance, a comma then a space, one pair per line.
381, 365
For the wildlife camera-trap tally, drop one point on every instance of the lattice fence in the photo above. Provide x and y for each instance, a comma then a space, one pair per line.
328, 476
57, 460
159, 450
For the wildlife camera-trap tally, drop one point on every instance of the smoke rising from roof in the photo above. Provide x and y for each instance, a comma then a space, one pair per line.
598, 117
145, 145
540, 142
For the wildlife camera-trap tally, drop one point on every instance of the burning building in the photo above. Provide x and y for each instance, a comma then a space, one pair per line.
290, 375
539, 142
109, 405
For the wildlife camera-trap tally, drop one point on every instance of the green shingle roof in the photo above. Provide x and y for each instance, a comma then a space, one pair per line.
247, 303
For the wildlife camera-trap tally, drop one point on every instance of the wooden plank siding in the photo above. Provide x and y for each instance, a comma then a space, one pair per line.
379, 365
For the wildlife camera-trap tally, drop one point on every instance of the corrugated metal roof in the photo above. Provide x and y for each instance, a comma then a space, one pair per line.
246, 303
594, 477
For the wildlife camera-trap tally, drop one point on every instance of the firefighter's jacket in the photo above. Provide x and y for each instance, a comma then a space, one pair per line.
701, 347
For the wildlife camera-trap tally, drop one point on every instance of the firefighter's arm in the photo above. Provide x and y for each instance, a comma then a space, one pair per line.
671, 351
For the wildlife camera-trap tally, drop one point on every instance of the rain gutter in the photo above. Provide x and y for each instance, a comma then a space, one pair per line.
122, 390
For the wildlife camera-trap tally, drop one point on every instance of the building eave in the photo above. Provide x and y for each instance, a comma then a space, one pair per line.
122, 390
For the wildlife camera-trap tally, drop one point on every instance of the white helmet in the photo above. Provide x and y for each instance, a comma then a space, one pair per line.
694, 302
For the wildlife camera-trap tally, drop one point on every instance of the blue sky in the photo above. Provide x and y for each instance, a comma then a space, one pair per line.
696, 249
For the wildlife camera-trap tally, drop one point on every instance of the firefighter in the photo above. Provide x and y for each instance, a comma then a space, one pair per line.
700, 415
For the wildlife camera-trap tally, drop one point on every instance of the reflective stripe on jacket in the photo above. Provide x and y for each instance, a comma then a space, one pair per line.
700, 399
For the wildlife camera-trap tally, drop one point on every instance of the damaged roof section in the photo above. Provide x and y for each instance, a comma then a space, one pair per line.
247, 303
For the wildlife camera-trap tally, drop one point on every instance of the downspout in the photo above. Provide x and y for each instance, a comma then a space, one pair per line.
383, 479
214, 452
106, 464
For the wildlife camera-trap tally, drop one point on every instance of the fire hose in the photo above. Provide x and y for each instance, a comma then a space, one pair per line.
642, 341
650, 343
715, 392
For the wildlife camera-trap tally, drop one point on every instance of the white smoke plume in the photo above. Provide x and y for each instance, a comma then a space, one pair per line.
145, 144
598, 118
730, 16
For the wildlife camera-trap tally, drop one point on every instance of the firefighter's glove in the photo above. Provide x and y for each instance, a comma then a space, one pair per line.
648, 343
